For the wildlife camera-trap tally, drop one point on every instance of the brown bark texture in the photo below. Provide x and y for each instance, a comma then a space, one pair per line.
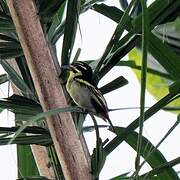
50, 93
39, 152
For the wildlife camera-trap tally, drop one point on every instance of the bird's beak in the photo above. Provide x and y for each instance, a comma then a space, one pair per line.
67, 67
64, 70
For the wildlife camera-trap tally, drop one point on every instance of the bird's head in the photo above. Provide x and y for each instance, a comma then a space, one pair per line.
80, 69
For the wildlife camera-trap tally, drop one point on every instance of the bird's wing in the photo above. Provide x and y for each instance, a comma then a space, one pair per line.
97, 99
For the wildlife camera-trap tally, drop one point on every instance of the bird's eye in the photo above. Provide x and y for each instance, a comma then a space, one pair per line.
74, 70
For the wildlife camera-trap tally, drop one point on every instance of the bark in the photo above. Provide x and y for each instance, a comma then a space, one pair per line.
39, 152
50, 93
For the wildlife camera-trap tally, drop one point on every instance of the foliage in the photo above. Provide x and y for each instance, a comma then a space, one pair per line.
143, 27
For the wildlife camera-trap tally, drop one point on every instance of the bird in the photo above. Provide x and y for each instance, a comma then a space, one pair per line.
84, 92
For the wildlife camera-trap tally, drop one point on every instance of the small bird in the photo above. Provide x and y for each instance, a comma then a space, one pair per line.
84, 92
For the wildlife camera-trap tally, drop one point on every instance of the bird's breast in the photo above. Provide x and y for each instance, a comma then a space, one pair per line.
80, 94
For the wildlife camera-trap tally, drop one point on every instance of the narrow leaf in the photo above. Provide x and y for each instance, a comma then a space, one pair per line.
3, 6
151, 111
162, 169
155, 159
42, 115
169, 60
132, 64
123, 4
43, 140
112, 12
34, 178
116, 35
5, 37
73, 8
15, 78
6, 54
49, 8
3, 78
56, 22
20, 104
113, 85
26, 162
145, 35
98, 158
31, 130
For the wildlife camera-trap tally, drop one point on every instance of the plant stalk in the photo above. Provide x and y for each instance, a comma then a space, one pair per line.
49, 90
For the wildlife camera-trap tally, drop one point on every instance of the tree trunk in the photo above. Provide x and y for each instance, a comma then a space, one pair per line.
49, 90
40, 153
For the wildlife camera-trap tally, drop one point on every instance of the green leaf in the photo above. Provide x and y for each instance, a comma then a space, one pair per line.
132, 64
157, 85
155, 159
25, 73
59, 32
6, 26
169, 33
113, 85
3, 6
177, 24
56, 23
60, 29
3, 78
30, 129
26, 161
16, 79
33, 178
130, 40
123, 3
160, 169
21, 105
9, 45
175, 86
98, 159
120, 28
49, 8
6, 54
73, 8
4, 16
6, 37
42, 115
145, 39
159, 12
92, 128
131, 127
165, 56
118, 54
99, 156
78, 52
43, 140
9, 49
112, 12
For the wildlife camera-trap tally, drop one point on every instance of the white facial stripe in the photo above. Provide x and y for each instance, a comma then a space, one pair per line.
80, 64
83, 67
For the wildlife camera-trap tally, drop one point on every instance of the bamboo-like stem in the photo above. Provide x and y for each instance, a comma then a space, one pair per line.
50, 93
39, 152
